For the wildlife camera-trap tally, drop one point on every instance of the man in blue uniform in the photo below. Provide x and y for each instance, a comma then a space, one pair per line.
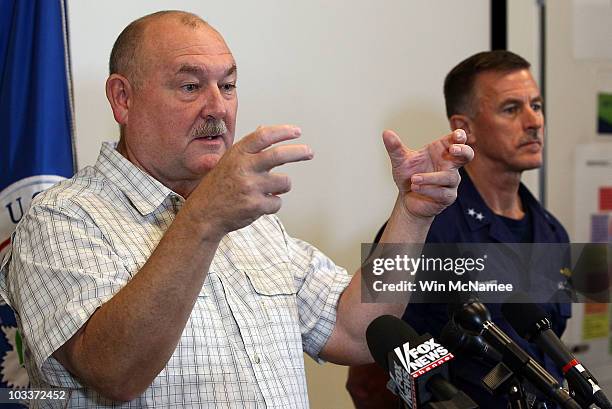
494, 98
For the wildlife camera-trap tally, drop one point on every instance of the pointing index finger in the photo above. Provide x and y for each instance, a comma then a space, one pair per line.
265, 136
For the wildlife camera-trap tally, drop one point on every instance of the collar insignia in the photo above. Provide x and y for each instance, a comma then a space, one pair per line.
477, 215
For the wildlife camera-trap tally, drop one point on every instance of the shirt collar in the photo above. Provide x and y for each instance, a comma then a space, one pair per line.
474, 209
144, 191
478, 214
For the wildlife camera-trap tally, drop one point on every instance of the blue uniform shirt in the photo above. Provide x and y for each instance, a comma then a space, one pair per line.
469, 220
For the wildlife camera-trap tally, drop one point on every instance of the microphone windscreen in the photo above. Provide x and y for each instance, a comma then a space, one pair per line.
523, 316
386, 333
452, 337
460, 343
458, 300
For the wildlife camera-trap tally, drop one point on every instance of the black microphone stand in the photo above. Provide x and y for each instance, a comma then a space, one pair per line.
502, 381
516, 396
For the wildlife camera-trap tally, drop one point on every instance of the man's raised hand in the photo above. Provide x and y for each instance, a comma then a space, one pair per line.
427, 178
242, 186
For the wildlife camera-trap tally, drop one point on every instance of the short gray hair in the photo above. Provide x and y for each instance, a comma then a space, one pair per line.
126, 59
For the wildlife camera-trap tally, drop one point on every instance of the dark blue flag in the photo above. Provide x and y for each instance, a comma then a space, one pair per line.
36, 147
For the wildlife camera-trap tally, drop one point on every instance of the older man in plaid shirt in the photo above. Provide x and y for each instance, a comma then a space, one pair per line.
160, 277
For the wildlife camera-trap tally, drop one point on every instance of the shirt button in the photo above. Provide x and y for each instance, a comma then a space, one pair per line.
257, 360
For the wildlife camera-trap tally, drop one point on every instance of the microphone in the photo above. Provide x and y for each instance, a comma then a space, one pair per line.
459, 342
474, 318
500, 379
416, 364
531, 322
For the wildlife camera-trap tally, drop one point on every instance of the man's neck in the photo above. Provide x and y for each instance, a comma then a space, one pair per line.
182, 187
498, 189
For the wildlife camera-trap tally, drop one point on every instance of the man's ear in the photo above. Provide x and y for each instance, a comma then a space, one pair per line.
119, 93
459, 121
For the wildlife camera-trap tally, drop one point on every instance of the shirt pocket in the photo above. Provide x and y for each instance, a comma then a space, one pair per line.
273, 294
271, 280
274, 305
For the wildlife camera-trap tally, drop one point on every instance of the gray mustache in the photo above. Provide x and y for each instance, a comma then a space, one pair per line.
212, 127
532, 135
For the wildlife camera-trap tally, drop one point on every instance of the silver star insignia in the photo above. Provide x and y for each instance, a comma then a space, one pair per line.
471, 212
479, 216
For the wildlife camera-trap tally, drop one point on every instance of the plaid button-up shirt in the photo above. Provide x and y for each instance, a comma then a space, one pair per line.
266, 299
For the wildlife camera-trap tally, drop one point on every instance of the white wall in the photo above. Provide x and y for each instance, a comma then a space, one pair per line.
523, 39
343, 70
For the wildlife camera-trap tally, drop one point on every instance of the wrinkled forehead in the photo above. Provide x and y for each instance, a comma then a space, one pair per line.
502, 84
169, 38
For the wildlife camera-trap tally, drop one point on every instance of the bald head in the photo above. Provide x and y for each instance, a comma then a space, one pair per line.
128, 57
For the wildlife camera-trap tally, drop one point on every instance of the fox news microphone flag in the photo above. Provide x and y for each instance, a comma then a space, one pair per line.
36, 131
